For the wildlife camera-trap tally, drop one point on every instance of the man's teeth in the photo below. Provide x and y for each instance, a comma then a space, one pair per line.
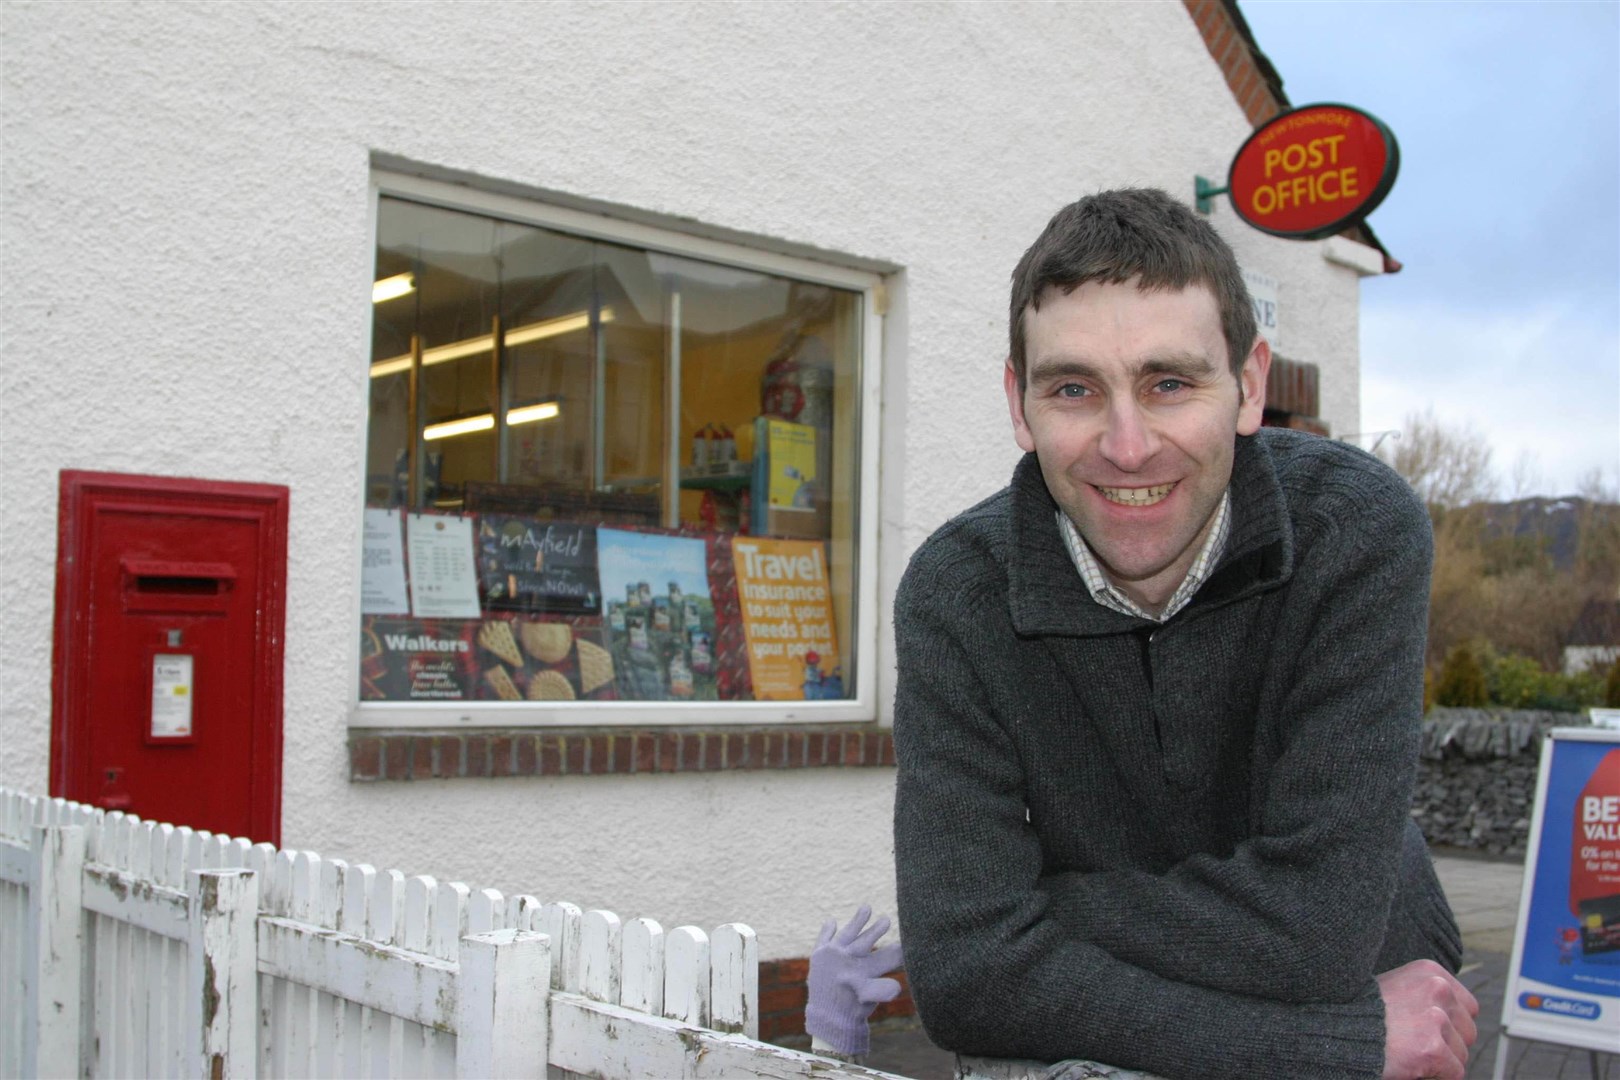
1136, 496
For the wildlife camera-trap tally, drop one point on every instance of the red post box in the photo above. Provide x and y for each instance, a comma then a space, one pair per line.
167, 678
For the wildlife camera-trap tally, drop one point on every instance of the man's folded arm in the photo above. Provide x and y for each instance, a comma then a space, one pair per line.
993, 968
1297, 911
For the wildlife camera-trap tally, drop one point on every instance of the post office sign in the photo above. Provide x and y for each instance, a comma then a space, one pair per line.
1314, 171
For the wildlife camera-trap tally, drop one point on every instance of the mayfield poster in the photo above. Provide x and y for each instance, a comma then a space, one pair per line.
530, 565
786, 602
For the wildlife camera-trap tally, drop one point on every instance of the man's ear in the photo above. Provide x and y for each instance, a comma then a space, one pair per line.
1015, 406
1252, 385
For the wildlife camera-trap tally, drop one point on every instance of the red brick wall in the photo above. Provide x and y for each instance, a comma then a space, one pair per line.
1253, 81
405, 755
782, 990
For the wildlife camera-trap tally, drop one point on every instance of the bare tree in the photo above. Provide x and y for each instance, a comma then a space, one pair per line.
1494, 579
1595, 486
1525, 477
1448, 467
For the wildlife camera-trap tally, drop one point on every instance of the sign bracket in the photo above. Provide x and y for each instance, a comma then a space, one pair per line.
1205, 192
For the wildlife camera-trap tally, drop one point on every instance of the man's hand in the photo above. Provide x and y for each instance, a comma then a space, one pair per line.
1428, 1022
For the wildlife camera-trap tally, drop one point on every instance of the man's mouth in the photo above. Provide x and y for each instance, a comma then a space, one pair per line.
1142, 496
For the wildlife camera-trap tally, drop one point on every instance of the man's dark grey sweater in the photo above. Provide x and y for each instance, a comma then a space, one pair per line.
1183, 848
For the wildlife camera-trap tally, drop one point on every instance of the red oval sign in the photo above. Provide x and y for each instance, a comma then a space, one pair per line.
1313, 172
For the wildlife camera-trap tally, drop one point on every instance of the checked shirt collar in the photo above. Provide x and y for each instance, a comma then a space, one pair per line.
1102, 591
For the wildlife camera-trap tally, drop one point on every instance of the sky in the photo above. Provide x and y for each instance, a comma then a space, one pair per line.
1506, 216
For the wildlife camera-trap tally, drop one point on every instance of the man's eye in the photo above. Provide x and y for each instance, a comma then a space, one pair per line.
1072, 390
1169, 386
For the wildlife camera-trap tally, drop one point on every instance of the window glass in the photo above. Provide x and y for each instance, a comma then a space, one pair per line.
597, 472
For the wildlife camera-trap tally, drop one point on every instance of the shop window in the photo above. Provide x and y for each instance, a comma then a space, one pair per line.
612, 474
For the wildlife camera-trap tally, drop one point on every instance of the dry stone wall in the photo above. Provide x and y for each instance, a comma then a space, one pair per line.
1477, 776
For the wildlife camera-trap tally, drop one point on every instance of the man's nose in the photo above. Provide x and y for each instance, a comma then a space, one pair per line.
1129, 441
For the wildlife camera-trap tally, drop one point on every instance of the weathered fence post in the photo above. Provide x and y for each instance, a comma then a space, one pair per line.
502, 1025
601, 949
222, 1005
734, 985
686, 976
52, 957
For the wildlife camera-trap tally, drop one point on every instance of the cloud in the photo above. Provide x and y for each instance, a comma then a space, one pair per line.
1543, 379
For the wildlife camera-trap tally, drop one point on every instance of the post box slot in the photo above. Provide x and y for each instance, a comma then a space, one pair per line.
151, 585
171, 585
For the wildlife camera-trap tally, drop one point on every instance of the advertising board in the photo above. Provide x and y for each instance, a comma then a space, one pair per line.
1564, 978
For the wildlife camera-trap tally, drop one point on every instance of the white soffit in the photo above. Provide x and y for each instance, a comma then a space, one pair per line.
1364, 260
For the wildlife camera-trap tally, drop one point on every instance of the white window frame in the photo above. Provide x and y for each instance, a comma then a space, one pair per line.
864, 644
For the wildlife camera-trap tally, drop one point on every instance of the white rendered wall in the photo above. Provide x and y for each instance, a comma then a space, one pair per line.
187, 257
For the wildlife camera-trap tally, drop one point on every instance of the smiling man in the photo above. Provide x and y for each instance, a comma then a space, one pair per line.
1158, 706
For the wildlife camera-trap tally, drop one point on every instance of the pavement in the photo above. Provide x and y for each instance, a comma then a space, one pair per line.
1484, 894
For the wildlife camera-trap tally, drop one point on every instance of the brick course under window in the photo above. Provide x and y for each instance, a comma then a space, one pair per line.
425, 755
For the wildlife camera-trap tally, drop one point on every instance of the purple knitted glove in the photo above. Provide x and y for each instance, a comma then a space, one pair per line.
844, 982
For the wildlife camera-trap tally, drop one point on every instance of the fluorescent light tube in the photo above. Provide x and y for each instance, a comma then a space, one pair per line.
522, 335
457, 349
389, 287
528, 414
518, 335
459, 427
389, 367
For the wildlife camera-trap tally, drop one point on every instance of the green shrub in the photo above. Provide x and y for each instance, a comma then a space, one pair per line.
1611, 687
1515, 681
1462, 679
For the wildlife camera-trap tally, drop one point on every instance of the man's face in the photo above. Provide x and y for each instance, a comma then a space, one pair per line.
1132, 410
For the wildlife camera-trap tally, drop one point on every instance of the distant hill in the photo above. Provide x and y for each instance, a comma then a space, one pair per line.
1553, 523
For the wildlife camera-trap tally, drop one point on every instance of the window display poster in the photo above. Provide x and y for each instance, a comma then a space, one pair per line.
658, 615
533, 659
530, 565
444, 582
382, 568
787, 617
791, 449
1564, 980
404, 659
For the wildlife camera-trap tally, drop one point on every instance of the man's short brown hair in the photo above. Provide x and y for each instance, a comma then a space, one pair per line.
1133, 233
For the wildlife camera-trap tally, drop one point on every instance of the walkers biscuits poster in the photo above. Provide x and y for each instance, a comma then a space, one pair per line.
787, 615
1564, 984
405, 659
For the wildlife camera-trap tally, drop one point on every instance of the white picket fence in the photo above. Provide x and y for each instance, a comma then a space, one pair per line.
131, 948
